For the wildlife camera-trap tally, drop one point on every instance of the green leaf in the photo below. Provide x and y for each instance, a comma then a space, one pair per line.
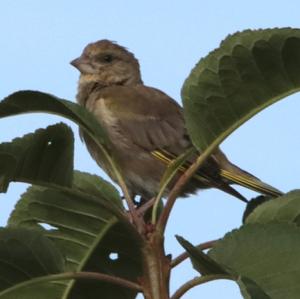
285, 208
250, 290
253, 204
35, 101
201, 261
117, 254
42, 157
248, 72
24, 291
7, 168
89, 192
84, 226
266, 254
25, 254
74, 219
97, 186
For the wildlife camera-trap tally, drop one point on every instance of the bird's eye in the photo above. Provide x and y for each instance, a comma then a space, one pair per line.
107, 58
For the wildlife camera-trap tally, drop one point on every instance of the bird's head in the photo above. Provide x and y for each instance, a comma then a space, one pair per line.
108, 63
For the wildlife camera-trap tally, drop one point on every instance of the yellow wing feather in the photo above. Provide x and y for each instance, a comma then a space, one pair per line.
242, 180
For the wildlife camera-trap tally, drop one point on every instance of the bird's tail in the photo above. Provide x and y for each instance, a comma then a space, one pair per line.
250, 182
235, 175
230, 173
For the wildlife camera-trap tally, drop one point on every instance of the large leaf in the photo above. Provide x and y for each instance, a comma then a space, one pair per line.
250, 290
201, 262
35, 101
26, 254
253, 204
249, 71
118, 254
42, 157
267, 255
285, 208
96, 186
84, 228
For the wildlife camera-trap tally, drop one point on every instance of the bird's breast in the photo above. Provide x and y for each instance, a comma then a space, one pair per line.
104, 114
110, 122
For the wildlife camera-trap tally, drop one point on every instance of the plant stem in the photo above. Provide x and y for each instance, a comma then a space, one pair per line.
173, 166
155, 280
132, 210
76, 275
180, 258
138, 221
197, 281
175, 192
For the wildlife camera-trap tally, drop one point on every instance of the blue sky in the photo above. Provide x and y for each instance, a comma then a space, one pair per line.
39, 38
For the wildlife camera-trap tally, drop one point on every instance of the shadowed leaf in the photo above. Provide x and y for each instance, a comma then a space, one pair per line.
201, 261
45, 157
266, 254
83, 224
96, 186
248, 72
253, 204
35, 101
285, 208
250, 290
26, 254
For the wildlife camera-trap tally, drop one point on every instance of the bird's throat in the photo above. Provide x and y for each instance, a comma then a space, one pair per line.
85, 90
87, 87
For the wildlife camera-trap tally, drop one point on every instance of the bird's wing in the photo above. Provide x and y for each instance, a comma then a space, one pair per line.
148, 117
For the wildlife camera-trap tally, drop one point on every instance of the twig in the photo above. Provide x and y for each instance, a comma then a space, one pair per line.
138, 221
175, 192
77, 275
197, 281
180, 258
169, 176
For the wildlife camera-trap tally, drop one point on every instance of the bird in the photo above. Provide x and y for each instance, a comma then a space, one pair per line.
146, 128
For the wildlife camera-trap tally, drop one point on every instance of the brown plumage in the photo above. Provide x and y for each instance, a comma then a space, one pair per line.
141, 120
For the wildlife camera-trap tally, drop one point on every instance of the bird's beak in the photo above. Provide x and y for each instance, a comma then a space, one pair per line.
83, 64
76, 63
